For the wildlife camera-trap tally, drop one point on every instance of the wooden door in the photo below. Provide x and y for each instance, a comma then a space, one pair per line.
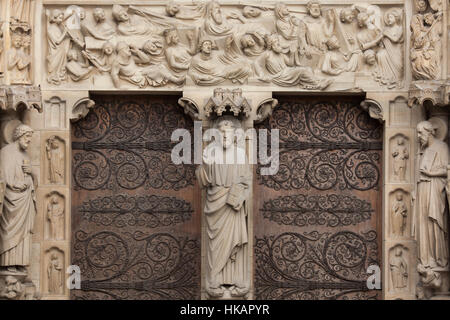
135, 215
317, 222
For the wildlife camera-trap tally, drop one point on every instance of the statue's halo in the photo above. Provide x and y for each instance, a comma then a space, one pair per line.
440, 126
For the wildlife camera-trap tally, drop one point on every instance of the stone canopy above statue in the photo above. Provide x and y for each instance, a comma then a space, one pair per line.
307, 47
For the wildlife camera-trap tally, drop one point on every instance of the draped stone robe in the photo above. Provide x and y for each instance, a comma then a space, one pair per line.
227, 234
432, 237
17, 218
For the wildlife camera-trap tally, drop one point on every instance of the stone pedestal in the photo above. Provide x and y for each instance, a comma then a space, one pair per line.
16, 286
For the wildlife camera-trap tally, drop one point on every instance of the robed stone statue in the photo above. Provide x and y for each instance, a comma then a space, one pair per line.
19, 208
227, 178
431, 196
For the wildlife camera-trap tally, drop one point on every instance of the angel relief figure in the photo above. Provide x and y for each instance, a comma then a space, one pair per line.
58, 40
390, 56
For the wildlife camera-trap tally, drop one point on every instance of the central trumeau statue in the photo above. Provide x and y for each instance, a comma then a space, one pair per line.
227, 179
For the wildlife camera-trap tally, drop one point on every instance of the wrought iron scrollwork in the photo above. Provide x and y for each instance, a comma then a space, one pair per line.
128, 146
330, 210
157, 266
315, 265
149, 211
325, 146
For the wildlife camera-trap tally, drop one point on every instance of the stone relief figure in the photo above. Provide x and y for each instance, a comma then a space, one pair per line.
292, 30
131, 24
177, 54
399, 214
158, 74
55, 275
102, 30
400, 155
345, 29
253, 43
216, 23
55, 157
334, 61
105, 60
369, 37
124, 67
426, 44
274, 66
390, 54
185, 12
207, 69
399, 269
18, 60
227, 178
58, 46
431, 196
19, 208
318, 29
55, 216
78, 70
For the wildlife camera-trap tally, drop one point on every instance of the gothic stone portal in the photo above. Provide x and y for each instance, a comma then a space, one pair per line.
135, 215
318, 220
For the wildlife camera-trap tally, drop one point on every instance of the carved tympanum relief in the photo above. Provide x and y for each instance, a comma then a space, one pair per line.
228, 184
208, 43
399, 158
398, 267
426, 40
55, 216
55, 160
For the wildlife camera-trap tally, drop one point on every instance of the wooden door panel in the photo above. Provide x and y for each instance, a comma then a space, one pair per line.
318, 220
135, 221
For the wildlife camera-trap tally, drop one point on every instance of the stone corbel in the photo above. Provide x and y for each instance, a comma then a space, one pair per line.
17, 97
265, 109
81, 108
436, 92
374, 109
190, 107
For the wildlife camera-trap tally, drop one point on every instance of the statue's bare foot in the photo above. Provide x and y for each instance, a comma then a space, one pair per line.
12, 269
238, 291
215, 292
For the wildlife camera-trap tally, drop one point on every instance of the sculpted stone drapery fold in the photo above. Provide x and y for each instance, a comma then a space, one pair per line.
431, 207
17, 217
227, 180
